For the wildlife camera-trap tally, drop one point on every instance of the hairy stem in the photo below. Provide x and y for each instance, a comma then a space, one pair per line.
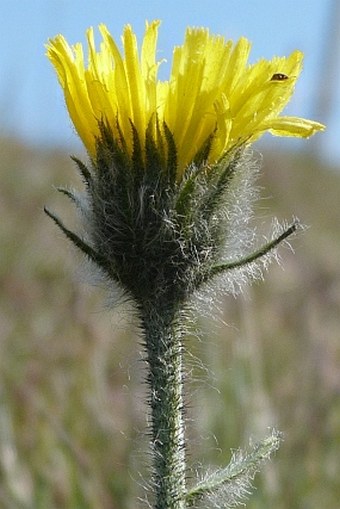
163, 344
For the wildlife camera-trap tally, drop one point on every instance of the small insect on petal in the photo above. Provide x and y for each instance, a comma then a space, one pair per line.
279, 76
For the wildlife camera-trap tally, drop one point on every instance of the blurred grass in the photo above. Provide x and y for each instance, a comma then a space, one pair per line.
72, 413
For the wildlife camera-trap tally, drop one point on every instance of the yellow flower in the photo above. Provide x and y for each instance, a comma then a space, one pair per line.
212, 92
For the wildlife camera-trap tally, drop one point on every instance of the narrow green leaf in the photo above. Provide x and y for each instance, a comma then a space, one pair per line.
232, 483
79, 243
172, 163
84, 171
218, 269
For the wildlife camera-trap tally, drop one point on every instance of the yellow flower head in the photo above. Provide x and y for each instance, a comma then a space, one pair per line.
212, 93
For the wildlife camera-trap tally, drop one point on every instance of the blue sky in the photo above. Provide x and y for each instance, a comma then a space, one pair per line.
31, 103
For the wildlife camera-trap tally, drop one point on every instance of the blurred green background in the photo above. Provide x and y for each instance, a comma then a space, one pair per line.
72, 407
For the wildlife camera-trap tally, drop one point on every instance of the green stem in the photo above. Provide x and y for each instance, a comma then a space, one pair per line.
165, 378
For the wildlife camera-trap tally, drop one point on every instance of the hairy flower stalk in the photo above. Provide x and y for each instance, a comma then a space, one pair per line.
166, 204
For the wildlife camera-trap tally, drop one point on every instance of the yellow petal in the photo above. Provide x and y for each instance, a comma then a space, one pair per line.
292, 126
212, 92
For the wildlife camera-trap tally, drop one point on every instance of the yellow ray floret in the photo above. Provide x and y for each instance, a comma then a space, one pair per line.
212, 91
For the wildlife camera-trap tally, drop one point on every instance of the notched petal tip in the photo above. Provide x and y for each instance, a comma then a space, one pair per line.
294, 127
